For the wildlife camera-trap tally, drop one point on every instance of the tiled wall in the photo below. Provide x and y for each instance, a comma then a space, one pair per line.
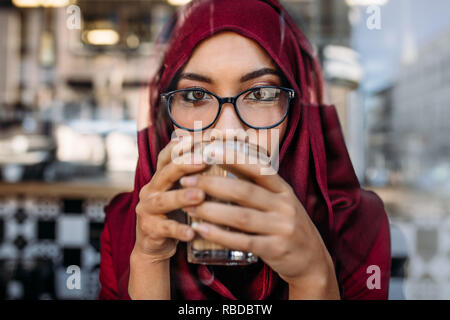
40, 238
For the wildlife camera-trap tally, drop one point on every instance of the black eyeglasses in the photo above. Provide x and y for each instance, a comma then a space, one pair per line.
262, 107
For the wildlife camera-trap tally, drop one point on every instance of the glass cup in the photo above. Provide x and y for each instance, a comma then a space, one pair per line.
202, 251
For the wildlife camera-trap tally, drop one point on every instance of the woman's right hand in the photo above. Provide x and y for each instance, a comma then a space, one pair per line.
157, 236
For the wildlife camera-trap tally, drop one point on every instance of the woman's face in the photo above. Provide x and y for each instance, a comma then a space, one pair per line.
227, 64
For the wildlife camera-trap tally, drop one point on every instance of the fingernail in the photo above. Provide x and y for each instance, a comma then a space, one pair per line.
194, 225
201, 227
189, 181
193, 194
189, 233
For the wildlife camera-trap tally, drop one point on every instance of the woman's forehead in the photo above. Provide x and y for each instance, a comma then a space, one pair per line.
228, 49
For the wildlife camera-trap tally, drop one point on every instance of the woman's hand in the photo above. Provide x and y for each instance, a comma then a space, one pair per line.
157, 235
277, 227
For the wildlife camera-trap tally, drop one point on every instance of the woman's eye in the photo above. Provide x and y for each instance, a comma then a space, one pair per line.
195, 95
198, 94
263, 94
259, 94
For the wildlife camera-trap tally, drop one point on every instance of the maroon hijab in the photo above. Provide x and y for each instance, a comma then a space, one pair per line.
313, 160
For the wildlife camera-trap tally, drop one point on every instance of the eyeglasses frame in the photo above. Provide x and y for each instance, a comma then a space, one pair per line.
222, 100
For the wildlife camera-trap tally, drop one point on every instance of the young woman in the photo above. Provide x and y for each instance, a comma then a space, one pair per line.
317, 233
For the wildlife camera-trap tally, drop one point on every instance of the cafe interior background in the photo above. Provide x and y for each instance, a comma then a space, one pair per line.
72, 74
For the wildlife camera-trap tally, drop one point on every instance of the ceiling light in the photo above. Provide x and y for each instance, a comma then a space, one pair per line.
26, 3
366, 2
178, 2
133, 41
40, 3
102, 37
55, 3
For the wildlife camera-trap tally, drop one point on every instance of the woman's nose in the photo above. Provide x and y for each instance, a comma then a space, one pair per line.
228, 119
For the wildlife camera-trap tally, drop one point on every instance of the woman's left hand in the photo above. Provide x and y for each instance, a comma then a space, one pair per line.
278, 228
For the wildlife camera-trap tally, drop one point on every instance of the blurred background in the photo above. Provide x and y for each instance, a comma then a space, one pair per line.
72, 75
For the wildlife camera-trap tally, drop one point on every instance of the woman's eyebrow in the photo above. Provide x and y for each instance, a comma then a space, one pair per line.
259, 73
244, 78
195, 77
